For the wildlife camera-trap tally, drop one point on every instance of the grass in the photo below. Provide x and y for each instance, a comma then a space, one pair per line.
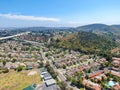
17, 80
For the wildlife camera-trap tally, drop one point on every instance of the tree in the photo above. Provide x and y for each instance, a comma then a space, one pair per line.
4, 62
64, 66
51, 71
19, 68
9, 55
87, 77
14, 60
57, 40
89, 70
103, 85
103, 79
62, 85
40, 65
80, 80
15, 48
5, 70
109, 57
74, 81
46, 54
68, 78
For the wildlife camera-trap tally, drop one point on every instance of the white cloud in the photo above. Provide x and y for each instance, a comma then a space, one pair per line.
73, 22
34, 18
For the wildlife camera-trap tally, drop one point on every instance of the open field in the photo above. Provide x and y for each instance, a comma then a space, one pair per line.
18, 80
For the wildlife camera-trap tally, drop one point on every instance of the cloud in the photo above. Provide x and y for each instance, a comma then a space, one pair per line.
33, 18
73, 22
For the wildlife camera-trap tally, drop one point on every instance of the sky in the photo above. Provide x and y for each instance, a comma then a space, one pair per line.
58, 13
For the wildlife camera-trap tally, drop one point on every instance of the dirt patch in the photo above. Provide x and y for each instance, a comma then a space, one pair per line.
32, 73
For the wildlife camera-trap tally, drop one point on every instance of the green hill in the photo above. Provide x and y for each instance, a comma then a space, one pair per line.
86, 42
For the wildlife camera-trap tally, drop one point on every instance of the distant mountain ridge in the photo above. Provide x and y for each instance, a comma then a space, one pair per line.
100, 28
103, 28
110, 30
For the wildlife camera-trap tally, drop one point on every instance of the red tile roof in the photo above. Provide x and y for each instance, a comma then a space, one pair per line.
81, 69
117, 87
95, 74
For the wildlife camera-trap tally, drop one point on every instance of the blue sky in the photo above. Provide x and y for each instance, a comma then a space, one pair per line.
25, 13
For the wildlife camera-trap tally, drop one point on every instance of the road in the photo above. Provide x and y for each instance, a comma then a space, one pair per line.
60, 75
8, 37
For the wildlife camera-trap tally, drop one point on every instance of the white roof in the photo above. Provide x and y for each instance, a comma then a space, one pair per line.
48, 77
44, 73
50, 82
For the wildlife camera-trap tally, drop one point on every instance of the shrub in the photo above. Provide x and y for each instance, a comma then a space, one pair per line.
5, 70
19, 68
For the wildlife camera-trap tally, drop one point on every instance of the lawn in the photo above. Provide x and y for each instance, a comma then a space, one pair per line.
18, 80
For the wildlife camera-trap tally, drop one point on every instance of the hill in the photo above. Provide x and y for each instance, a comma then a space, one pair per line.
101, 28
86, 42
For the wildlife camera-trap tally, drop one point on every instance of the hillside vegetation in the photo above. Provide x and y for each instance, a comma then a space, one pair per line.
85, 42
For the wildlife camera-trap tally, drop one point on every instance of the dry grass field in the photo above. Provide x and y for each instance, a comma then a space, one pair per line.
18, 80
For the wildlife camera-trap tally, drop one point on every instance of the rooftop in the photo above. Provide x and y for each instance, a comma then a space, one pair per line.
52, 87
50, 82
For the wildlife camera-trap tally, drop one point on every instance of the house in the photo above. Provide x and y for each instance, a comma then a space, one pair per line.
22, 64
81, 68
47, 76
100, 77
116, 87
95, 74
8, 65
116, 61
44, 72
91, 85
29, 64
1, 65
115, 69
115, 73
115, 50
50, 82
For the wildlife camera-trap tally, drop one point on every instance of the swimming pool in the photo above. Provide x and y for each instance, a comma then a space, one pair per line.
110, 83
